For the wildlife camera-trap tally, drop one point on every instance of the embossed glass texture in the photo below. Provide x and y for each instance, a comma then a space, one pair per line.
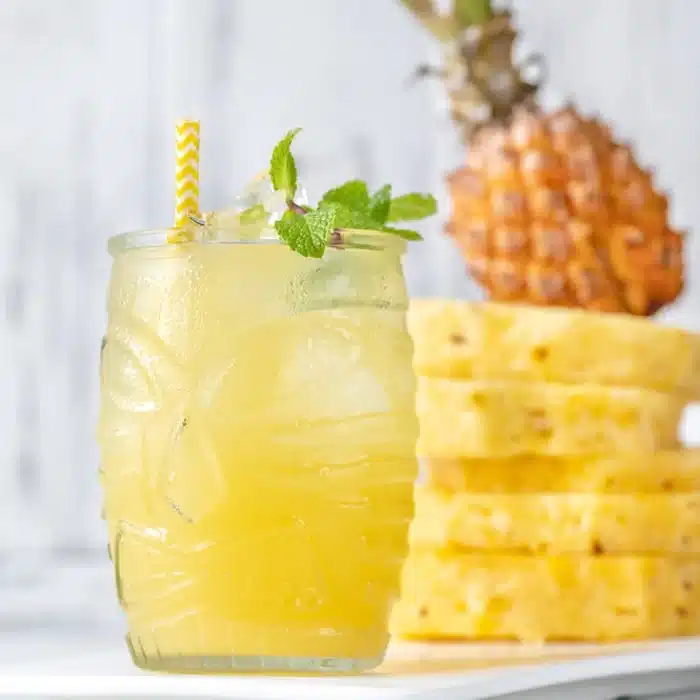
257, 436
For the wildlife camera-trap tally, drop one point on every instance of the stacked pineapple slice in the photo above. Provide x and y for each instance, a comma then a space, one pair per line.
558, 502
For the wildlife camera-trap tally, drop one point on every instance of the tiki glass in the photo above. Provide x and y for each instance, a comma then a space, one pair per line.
257, 437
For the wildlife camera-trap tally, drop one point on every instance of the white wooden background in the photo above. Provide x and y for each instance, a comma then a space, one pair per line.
90, 91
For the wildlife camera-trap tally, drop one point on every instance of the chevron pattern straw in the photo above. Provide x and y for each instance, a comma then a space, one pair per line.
186, 173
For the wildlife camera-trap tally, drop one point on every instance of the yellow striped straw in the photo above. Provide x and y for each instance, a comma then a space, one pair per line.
186, 177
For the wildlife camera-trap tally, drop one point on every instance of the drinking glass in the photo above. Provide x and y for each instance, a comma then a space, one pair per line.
257, 435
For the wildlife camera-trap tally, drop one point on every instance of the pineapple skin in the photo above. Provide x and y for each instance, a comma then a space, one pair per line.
500, 419
450, 595
558, 523
468, 340
551, 210
676, 471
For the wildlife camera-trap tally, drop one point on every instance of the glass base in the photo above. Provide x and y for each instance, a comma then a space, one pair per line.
252, 664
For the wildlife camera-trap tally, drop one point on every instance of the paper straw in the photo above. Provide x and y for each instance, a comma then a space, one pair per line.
186, 174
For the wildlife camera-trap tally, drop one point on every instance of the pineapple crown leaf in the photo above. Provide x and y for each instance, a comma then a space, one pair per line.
443, 27
447, 27
471, 12
484, 82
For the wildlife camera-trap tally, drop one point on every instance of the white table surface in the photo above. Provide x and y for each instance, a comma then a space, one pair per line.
102, 669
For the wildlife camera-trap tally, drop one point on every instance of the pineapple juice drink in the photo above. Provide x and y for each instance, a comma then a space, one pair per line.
257, 441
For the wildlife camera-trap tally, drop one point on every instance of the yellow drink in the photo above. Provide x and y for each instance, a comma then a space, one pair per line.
257, 438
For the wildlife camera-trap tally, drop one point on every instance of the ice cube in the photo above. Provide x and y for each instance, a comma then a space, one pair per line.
347, 278
259, 191
317, 366
228, 224
320, 393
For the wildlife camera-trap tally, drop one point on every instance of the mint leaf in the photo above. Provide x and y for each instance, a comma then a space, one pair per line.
353, 195
283, 168
406, 234
307, 234
320, 223
379, 204
344, 217
410, 207
253, 215
292, 229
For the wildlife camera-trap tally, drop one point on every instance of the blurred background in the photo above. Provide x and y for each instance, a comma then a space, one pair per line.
91, 90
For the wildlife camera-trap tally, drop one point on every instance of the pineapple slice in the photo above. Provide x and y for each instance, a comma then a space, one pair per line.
645, 472
499, 419
558, 523
496, 341
450, 595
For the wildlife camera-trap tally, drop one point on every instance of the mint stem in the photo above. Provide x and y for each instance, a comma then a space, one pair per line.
293, 206
336, 240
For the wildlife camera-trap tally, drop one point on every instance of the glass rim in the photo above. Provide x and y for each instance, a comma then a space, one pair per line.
351, 239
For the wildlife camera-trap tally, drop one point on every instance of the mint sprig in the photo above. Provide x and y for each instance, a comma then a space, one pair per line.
309, 230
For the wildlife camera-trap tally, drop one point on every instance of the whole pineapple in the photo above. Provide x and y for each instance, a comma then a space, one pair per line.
549, 209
